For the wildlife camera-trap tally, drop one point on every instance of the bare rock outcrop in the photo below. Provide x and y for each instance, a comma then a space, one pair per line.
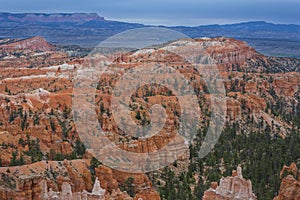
35, 43
69, 180
231, 188
290, 185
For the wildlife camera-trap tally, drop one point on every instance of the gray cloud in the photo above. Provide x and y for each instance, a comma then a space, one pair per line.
169, 12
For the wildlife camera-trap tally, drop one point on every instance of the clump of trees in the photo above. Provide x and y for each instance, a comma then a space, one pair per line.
128, 186
260, 154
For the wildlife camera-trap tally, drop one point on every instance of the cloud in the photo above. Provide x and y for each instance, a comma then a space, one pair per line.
169, 12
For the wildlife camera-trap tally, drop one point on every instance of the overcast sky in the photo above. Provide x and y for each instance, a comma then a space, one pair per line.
169, 12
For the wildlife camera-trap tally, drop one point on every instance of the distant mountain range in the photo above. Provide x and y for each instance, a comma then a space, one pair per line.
49, 18
89, 29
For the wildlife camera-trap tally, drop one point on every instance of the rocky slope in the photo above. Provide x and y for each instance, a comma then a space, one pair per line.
37, 129
290, 185
31, 44
31, 52
28, 181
